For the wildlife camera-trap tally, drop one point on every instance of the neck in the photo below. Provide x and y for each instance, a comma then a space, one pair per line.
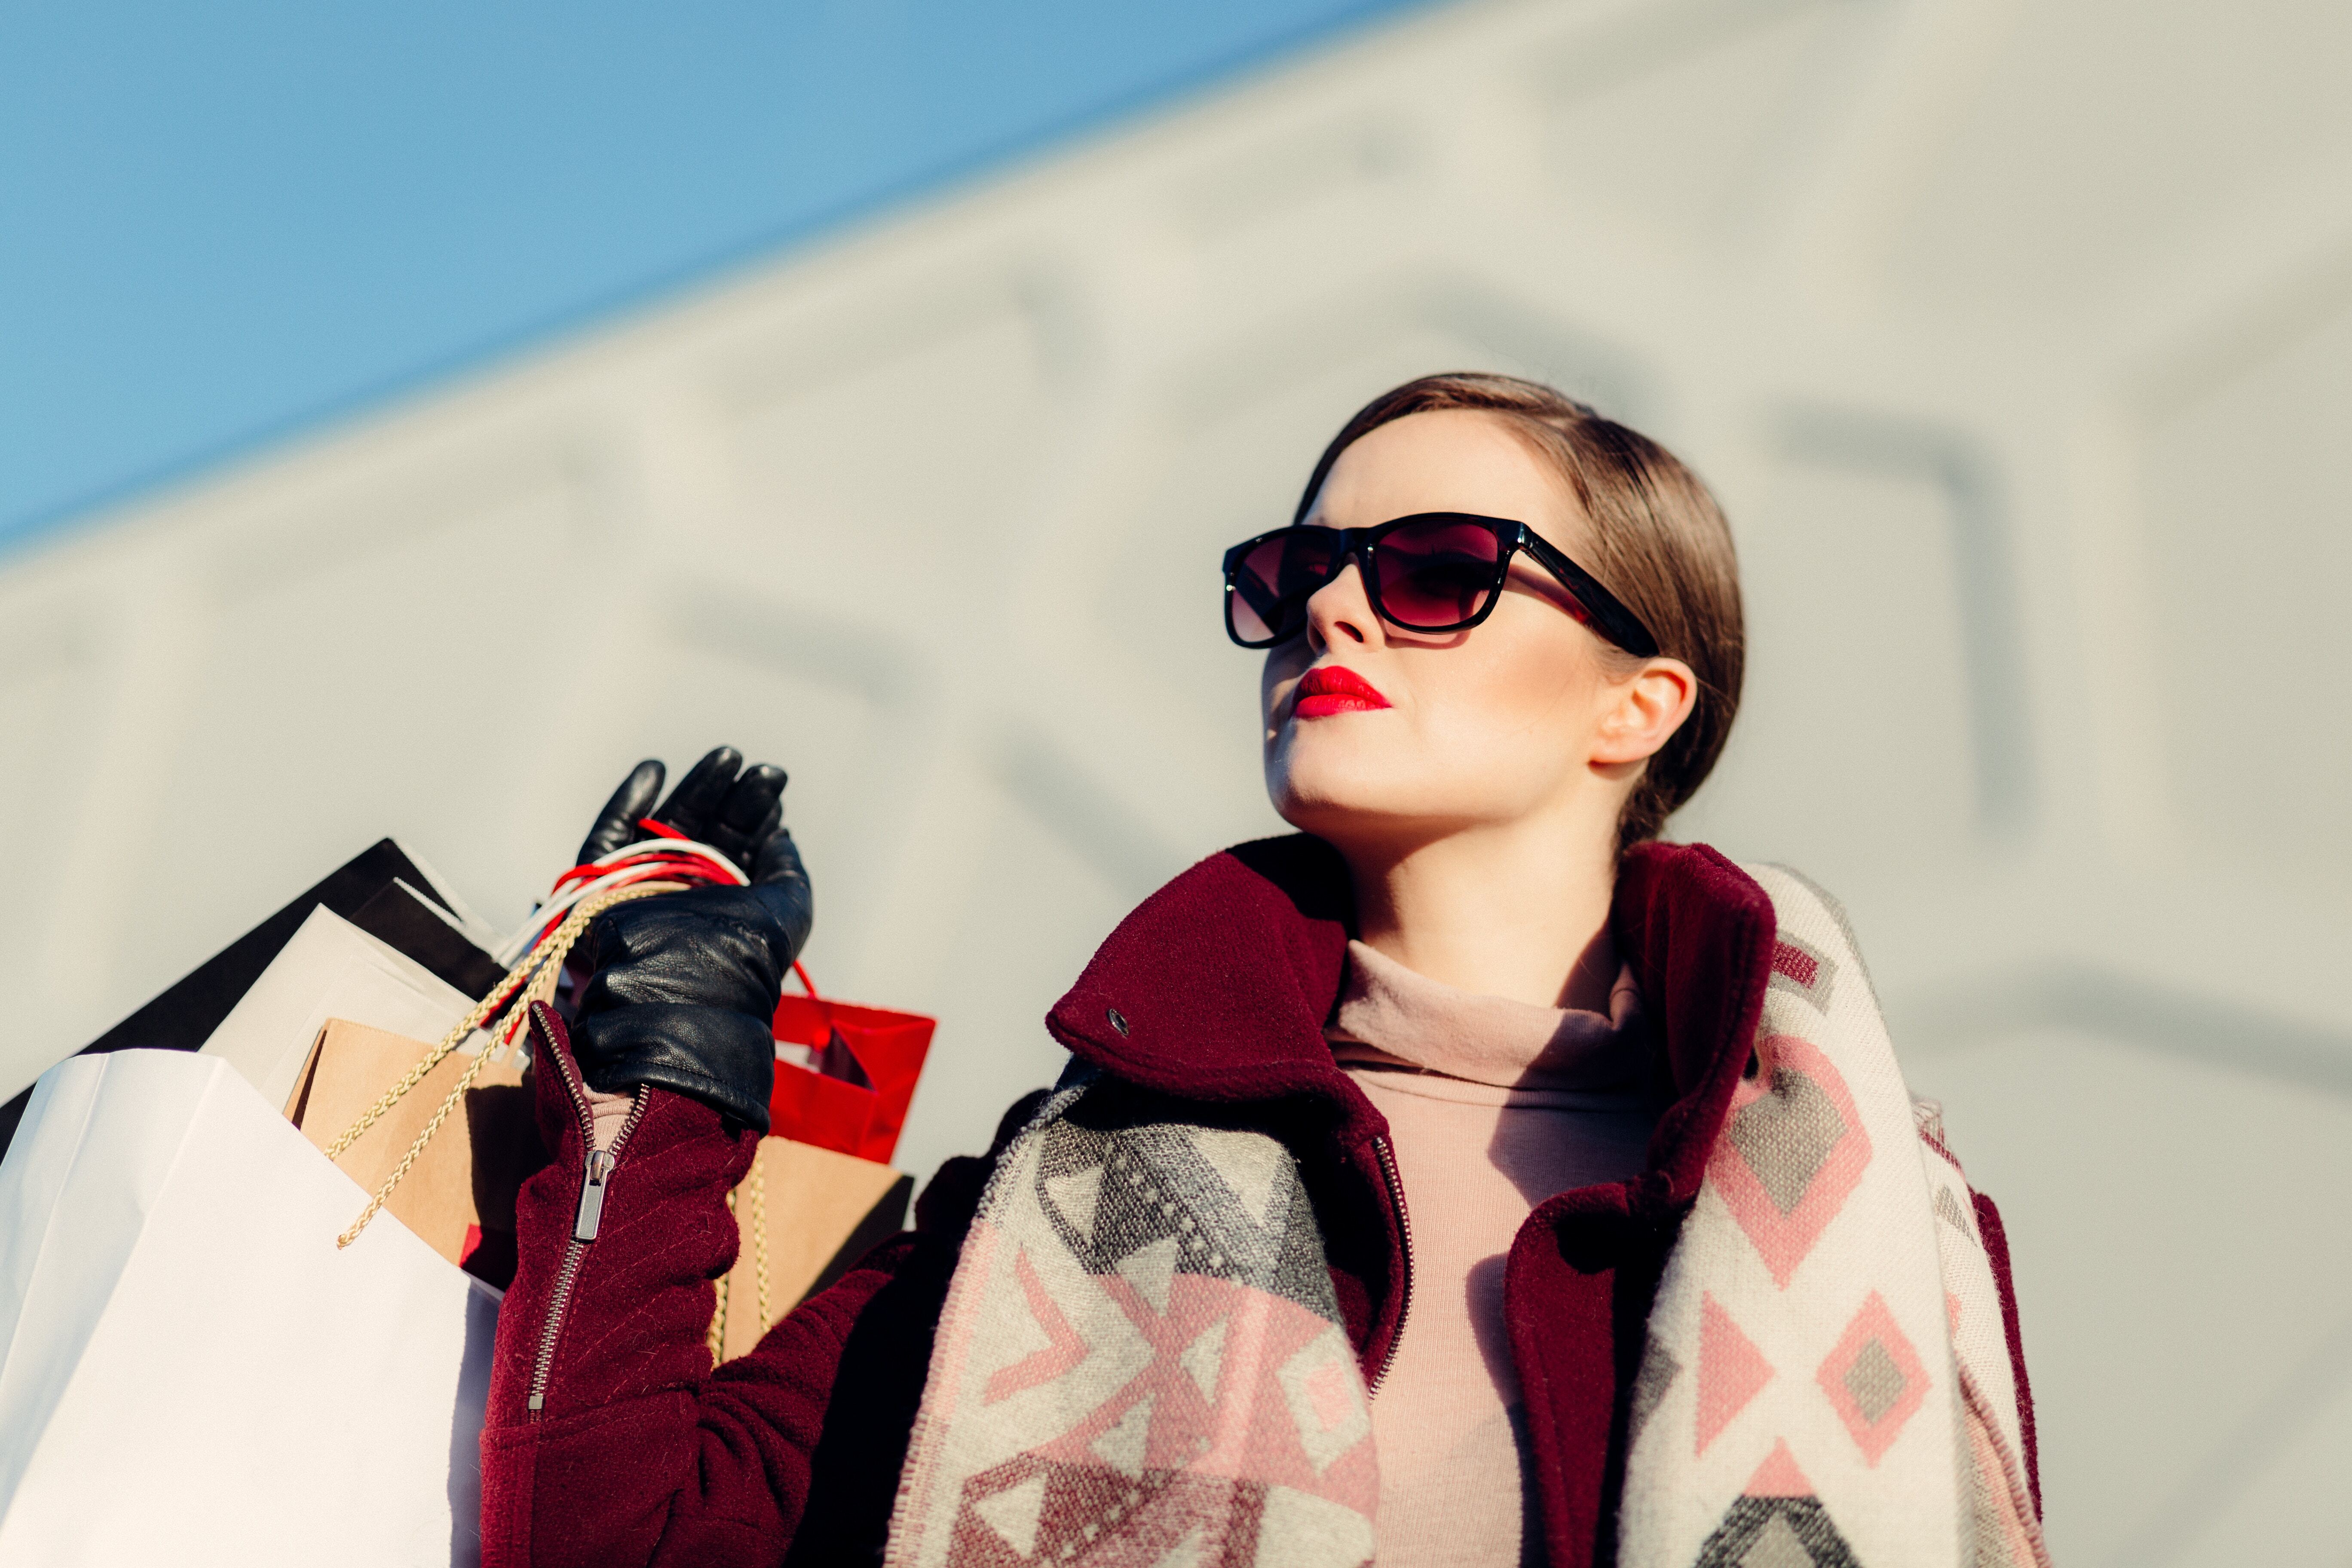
1517, 910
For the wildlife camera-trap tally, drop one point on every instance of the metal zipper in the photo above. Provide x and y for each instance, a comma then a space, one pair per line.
1404, 1233
586, 1220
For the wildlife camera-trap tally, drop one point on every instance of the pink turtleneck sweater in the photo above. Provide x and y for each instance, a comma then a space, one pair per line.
1493, 1106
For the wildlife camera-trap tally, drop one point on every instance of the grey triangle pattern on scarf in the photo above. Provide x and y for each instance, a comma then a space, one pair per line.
1141, 1358
1224, 1201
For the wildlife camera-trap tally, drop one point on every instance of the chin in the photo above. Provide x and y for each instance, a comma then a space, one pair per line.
1323, 790
1349, 791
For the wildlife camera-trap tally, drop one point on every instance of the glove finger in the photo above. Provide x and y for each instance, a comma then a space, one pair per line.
692, 805
777, 858
616, 825
747, 853
781, 883
749, 814
762, 833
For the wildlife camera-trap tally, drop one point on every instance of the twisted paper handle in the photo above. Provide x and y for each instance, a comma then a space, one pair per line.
536, 976
758, 1182
715, 1337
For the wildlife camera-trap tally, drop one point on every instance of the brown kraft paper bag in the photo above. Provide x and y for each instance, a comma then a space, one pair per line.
818, 1212
803, 1215
459, 1195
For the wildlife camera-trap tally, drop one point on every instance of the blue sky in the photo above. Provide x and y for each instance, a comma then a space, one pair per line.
224, 223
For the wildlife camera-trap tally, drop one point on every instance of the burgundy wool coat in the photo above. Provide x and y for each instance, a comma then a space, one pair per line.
610, 1440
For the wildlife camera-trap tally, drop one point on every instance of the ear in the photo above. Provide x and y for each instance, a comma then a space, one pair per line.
1642, 710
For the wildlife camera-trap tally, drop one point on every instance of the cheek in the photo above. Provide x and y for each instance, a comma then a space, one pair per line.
1529, 683
1488, 727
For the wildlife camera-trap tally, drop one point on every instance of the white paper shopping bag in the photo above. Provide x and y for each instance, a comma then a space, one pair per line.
190, 1371
331, 969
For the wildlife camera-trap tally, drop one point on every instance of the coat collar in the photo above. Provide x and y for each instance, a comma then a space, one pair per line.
1218, 987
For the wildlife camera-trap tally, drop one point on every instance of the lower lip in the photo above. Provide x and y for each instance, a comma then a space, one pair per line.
1325, 704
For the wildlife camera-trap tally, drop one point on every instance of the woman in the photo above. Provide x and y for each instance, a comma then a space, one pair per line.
1469, 1177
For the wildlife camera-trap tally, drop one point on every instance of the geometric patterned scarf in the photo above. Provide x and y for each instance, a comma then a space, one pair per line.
1141, 1362
1827, 1379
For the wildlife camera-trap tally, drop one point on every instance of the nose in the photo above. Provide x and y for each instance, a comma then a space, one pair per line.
1341, 612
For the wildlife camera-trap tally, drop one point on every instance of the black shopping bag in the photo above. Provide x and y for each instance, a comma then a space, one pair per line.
381, 890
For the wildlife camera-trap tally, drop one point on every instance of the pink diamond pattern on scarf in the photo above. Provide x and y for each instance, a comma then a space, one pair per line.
1873, 1378
1332, 1423
1731, 1371
1793, 1152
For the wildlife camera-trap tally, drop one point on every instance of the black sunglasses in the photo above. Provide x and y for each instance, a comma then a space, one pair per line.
1432, 572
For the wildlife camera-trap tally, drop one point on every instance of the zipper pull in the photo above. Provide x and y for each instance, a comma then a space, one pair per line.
592, 1195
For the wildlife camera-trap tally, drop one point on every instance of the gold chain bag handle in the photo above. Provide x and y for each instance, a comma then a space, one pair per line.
536, 976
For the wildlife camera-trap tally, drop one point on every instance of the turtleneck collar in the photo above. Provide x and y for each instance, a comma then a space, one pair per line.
1392, 1015
1218, 987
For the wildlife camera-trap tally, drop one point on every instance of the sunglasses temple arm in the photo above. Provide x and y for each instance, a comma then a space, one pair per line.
1619, 624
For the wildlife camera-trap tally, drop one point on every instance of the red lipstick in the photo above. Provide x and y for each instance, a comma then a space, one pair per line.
1335, 688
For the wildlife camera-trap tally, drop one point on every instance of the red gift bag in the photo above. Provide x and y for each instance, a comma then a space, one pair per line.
864, 1062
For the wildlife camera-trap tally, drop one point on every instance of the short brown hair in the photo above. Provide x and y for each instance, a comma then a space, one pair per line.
1659, 542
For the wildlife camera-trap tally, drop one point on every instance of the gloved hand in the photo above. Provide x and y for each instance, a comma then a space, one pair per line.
734, 815
683, 986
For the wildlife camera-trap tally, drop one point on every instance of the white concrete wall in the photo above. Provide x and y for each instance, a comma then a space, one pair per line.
2015, 339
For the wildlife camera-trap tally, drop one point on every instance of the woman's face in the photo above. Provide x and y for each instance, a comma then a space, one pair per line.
1527, 714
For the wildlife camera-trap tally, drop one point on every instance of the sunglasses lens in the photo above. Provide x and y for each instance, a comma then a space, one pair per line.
1438, 574
1273, 583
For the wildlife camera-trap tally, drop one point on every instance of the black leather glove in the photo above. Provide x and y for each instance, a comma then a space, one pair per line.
710, 803
683, 986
